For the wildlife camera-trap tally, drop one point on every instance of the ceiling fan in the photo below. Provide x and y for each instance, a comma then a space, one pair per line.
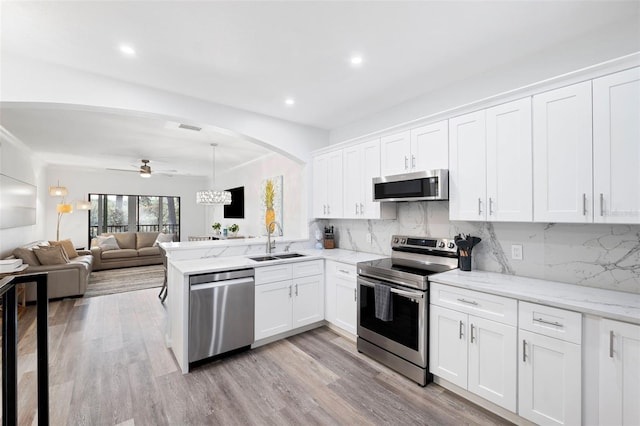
145, 170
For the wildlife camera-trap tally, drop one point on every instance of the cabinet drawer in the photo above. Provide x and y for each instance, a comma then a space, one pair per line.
344, 270
552, 322
305, 269
489, 306
269, 274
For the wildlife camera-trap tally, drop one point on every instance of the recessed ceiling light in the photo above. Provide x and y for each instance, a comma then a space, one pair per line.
289, 101
127, 50
356, 60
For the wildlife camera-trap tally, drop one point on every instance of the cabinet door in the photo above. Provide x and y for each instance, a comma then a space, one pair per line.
308, 300
448, 345
467, 167
509, 164
346, 299
619, 373
273, 309
562, 155
493, 361
550, 387
330, 267
369, 209
353, 182
320, 190
394, 153
616, 150
334, 184
430, 147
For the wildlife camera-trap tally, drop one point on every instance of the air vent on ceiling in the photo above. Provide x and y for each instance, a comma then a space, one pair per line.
189, 127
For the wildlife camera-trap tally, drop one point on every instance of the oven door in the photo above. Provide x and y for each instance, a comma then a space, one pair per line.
406, 334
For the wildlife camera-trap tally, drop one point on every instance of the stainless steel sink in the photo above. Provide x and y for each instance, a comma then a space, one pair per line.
263, 258
288, 255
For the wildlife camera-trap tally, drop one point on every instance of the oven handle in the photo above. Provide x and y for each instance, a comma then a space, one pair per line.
381, 279
408, 294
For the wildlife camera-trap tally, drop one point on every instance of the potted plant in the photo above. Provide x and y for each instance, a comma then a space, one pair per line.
216, 228
233, 229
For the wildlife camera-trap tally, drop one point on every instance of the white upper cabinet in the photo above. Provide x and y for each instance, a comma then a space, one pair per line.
361, 164
327, 184
562, 155
419, 149
395, 153
509, 175
616, 147
430, 147
467, 167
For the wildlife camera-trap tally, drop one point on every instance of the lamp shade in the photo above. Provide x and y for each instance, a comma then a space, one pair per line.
83, 205
64, 208
58, 191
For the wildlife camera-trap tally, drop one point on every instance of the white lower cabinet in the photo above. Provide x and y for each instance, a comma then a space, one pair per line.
341, 295
550, 354
288, 296
470, 350
619, 400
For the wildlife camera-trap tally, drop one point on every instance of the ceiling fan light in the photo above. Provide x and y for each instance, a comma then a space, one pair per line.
145, 174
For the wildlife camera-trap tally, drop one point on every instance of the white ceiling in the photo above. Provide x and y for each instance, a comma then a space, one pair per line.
253, 55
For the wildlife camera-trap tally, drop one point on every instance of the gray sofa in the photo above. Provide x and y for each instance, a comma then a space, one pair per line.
136, 249
69, 279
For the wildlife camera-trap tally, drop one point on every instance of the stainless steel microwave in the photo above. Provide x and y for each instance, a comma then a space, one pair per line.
417, 186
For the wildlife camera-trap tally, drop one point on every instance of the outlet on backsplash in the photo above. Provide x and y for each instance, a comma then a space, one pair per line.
516, 251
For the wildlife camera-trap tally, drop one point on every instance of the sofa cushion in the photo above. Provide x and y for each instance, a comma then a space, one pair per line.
119, 254
126, 240
67, 246
149, 251
107, 242
27, 256
145, 239
163, 238
53, 255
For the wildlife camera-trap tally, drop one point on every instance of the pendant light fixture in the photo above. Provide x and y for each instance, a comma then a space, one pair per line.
212, 197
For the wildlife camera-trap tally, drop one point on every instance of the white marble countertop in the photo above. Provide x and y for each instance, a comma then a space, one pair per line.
226, 263
611, 304
228, 242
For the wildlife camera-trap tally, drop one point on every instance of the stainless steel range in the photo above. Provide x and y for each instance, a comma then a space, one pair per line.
395, 332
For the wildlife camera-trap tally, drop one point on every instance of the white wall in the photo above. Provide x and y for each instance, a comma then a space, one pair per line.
80, 182
19, 162
295, 195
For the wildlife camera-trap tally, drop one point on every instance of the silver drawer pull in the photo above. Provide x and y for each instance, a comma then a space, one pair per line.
460, 330
524, 350
540, 320
344, 271
470, 302
472, 336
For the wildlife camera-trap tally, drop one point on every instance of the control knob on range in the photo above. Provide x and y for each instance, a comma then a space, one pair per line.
395, 241
451, 245
441, 244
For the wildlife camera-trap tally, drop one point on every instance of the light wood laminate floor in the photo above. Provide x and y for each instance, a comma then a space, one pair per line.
109, 366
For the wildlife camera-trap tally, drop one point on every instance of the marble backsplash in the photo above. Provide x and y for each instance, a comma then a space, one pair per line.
593, 255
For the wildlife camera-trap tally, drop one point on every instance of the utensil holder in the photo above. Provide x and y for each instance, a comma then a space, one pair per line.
464, 262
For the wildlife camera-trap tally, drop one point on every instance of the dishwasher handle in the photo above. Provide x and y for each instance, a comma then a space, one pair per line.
220, 276
225, 283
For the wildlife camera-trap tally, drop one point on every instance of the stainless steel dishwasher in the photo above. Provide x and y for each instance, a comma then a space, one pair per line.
221, 312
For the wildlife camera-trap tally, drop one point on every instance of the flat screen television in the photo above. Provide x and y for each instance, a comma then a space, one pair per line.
235, 210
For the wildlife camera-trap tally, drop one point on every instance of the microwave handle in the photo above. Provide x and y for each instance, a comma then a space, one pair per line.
403, 293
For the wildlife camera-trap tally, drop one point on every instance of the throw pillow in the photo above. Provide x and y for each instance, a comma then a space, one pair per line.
163, 238
67, 246
108, 243
27, 256
53, 255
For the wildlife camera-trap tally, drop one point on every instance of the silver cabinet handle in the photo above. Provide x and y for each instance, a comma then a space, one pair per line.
328, 209
601, 204
356, 208
361, 208
470, 302
289, 292
490, 206
479, 206
460, 331
296, 290
556, 323
344, 271
584, 204
406, 162
524, 350
324, 209
413, 161
355, 294
472, 336
611, 344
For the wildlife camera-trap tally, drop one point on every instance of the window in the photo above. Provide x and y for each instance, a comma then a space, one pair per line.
133, 213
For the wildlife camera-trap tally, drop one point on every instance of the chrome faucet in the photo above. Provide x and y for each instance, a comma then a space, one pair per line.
269, 244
